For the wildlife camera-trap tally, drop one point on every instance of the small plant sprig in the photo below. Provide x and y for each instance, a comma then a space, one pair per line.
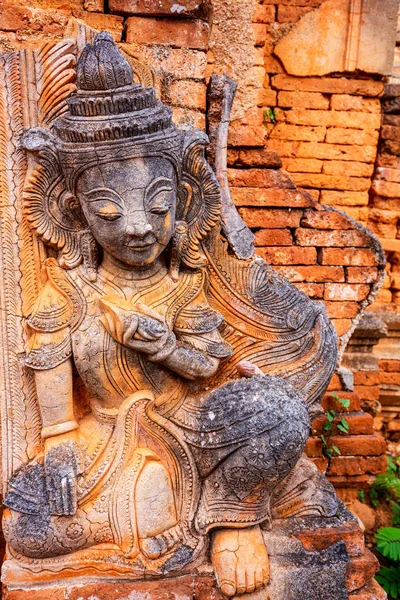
386, 487
343, 426
270, 116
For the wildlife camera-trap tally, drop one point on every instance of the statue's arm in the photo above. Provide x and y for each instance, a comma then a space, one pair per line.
54, 392
190, 362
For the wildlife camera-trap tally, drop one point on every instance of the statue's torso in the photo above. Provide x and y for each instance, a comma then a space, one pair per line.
110, 371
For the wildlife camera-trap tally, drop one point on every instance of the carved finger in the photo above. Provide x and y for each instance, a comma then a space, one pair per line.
53, 490
66, 500
68, 487
146, 310
130, 331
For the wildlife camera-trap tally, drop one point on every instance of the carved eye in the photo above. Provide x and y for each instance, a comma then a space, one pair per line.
109, 216
163, 209
161, 202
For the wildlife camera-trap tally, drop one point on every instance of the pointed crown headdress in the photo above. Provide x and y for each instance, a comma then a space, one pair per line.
112, 118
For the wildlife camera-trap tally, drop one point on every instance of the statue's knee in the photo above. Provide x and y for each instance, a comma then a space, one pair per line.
29, 535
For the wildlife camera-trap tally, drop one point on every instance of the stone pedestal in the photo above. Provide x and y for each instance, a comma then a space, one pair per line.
311, 558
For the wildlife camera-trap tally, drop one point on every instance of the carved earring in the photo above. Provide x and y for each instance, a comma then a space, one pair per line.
180, 242
89, 254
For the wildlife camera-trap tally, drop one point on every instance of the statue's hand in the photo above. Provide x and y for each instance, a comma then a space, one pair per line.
63, 461
136, 327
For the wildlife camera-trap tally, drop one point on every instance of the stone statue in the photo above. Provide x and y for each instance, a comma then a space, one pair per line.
175, 380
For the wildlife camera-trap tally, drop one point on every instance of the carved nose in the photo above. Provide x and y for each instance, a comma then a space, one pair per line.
138, 229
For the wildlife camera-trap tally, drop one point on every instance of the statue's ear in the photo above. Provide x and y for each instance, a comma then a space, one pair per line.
199, 202
51, 210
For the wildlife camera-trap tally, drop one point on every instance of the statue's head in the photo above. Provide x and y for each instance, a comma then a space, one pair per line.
115, 174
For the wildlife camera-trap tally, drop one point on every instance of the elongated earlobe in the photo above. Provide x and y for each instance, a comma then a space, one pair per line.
180, 242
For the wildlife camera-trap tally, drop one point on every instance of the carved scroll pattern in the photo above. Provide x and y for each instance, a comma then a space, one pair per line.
12, 391
34, 88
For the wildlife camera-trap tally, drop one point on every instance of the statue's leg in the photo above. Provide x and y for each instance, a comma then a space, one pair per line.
156, 514
32, 531
246, 438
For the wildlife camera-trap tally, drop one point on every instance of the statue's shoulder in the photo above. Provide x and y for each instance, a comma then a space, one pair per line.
59, 303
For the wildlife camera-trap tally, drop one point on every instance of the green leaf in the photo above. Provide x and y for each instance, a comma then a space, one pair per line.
336, 449
387, 541
329, 452
389, 579
342, 428
330, 415
344, 402
327, 426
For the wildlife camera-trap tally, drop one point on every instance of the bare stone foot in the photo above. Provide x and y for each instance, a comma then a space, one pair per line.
156, 546
240, 560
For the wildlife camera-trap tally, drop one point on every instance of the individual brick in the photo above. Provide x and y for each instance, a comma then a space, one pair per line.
329, 85
391, 365
111, 23
366, 377
350, 466
312, 290
333, 118
360, 257
161, 8
390, 132
316, 540
188, 94
254, 158
387, 174
314, 274
304, 149
325, 219
359, 137
180, 63
387, 189
352, 169
288, 255
260, 33
325, 238
303, 100
330, 403
367, 392
291, 14
357, 103
249, 196
242, 135
342, 310
344, 198
284, 131
264, 13
361, 274
274, 218
179, 33
273, 237
359, 445
360, 423
302, 165
260, 178
335, 182
346, 292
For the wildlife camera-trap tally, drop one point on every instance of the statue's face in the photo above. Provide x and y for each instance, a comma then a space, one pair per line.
130, 207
